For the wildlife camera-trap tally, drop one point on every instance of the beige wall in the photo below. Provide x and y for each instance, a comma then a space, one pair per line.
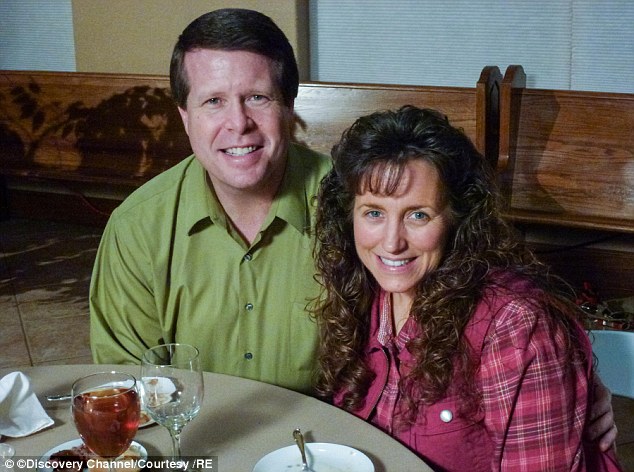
137, 36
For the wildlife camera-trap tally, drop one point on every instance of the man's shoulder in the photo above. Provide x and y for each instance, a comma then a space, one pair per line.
308, 153
158, 191
315, 164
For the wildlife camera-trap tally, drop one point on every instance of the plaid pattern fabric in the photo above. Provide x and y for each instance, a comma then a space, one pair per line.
384, 413
534, 398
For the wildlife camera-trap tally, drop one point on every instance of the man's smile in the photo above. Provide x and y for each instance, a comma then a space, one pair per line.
240, 151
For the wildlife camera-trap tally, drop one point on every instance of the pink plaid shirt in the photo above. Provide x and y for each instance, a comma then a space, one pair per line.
384, 412
534, 400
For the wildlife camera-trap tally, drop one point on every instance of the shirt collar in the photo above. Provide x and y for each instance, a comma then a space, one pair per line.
291, 204
381, 326
385, 333
292, 201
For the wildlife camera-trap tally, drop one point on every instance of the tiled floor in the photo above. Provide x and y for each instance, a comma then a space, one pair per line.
44, 278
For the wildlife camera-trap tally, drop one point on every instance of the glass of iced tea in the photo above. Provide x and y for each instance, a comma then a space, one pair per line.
106, 409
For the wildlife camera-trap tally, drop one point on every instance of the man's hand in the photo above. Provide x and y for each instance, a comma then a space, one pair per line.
602, 427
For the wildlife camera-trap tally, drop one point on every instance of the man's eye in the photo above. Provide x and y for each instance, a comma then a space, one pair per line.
213, 101
258, 99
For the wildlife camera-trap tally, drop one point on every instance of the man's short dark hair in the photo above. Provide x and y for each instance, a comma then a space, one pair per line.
235, 29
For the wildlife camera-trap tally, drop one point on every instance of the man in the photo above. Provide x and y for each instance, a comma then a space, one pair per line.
217, 251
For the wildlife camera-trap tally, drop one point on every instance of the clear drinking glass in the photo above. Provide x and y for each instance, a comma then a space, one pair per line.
172, 387
106, 408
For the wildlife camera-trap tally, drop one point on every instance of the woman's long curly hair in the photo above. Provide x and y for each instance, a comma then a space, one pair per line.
372, 155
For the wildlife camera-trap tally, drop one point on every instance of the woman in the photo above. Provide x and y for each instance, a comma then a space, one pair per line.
437, 325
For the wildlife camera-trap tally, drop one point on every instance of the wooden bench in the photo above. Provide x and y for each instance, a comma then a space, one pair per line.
566, 164
73, 145
567, 157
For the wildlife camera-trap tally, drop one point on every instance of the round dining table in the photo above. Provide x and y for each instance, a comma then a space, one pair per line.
240, 422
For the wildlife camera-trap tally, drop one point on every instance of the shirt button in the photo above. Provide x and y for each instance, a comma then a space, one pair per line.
446, 416
248, 306
248, 356
247, 257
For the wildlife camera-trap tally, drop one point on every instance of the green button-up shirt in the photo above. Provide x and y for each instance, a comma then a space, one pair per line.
171, 269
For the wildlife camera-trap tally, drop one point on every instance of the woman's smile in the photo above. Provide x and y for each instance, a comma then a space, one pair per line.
400, 237
395, 262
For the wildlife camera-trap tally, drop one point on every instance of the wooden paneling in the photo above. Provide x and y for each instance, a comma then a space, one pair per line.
326, 110
567, 157
78, 131
88, 127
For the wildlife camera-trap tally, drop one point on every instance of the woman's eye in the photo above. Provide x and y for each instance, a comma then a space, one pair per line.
374, 214
420, 216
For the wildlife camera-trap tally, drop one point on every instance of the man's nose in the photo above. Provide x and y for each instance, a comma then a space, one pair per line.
237, 118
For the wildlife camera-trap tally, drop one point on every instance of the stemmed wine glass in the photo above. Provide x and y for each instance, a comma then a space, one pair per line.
106, 409
172, 387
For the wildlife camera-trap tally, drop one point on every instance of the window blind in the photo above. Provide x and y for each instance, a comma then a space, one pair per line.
37, 35
562, 44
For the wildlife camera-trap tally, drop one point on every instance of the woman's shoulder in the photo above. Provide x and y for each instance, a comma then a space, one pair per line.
510, 301
504, 287
519, 311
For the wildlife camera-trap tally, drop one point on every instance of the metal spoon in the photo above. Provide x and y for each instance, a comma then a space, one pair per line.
299, 439
58, 398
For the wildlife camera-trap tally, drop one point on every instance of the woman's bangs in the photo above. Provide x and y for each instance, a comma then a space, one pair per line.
382, 178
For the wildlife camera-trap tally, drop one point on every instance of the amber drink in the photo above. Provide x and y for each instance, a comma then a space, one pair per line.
106, 409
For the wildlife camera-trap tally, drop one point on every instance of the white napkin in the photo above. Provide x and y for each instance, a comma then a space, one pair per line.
21, 413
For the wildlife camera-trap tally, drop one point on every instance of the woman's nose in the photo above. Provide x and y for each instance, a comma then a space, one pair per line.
394, 239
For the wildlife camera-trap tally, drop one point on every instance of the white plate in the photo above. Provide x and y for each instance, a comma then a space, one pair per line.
135, 448
322, 457
161, 392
